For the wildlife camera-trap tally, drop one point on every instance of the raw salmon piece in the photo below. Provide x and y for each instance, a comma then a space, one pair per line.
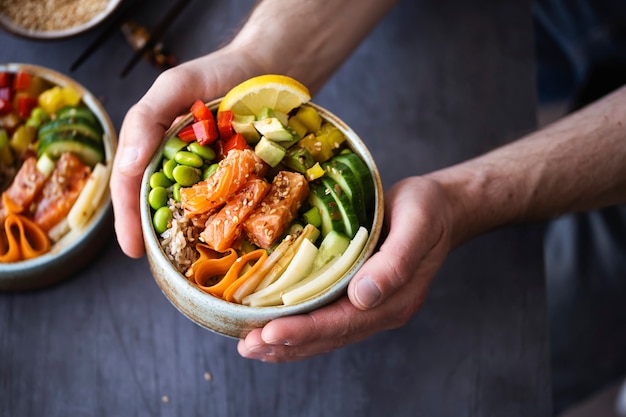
25, 186
60, 191
233, 171
226, 225
277, 210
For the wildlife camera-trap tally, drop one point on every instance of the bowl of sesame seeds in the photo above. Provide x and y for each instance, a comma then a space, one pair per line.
53, 19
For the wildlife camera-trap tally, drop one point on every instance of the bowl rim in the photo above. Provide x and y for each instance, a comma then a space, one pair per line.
12, 27
68, 243
259, 314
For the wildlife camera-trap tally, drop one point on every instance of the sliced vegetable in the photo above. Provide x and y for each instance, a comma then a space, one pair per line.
324, 279
90, 197
299, 267
233, 272
333, 245
86, 149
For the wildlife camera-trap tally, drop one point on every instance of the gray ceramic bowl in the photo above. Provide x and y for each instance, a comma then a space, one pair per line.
75, 250
233, 319
18, 29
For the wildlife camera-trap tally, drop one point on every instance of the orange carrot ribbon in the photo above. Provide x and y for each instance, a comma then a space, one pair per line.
21, 237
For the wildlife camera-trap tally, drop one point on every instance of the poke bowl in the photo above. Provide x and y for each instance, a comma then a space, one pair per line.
56, 150
269, 212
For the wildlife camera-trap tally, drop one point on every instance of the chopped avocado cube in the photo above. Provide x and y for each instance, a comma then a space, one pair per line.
244, 124
267, 112
270, 152
273, 129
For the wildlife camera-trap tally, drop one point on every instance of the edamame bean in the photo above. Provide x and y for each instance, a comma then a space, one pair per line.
208, 171
172, 146
205, 152
186, 175
157, 197
189, 159
159, 179
168, 168
176, 191
161, 219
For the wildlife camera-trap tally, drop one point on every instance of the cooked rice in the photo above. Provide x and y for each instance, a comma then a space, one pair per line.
178, 241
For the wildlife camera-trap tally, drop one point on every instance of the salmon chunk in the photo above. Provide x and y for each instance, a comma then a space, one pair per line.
231, 174
224, 227
25, 186
278, 209
60, 191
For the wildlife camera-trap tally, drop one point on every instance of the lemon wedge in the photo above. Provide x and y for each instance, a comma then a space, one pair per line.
278, 92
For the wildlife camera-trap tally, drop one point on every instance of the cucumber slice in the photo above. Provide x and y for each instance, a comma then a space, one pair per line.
53, 145
350, 220
364, 176
81, 125
332, 246
350, 185
77, 111
327, 206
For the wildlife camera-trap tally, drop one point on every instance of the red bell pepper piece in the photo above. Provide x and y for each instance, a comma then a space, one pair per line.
25, 105
5, 79
187, 134
5, 106
236, 141
22, 80
205, 131
225, 123
200, 111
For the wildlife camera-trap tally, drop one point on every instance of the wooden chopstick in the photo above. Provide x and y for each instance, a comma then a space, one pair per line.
155, 35
121, 14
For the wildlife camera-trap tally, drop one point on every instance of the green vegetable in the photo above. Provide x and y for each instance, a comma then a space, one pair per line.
333, 245
189, 159
161, 219
159, 179
363, 176
157, 197
172, 146
205, 152
168, 168
350, 184
88, 151
72, 124
312, 216
209, 170
343, 204
270, 152
186, 175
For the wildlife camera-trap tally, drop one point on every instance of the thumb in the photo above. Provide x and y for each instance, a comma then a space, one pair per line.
415, 229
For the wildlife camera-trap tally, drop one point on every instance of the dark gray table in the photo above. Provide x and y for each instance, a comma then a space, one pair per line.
436, 83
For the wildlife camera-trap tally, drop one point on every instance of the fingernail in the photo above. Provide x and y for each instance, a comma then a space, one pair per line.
367, 292
128, 158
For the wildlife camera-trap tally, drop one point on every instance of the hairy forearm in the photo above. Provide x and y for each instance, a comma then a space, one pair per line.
576, 164
308, 39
